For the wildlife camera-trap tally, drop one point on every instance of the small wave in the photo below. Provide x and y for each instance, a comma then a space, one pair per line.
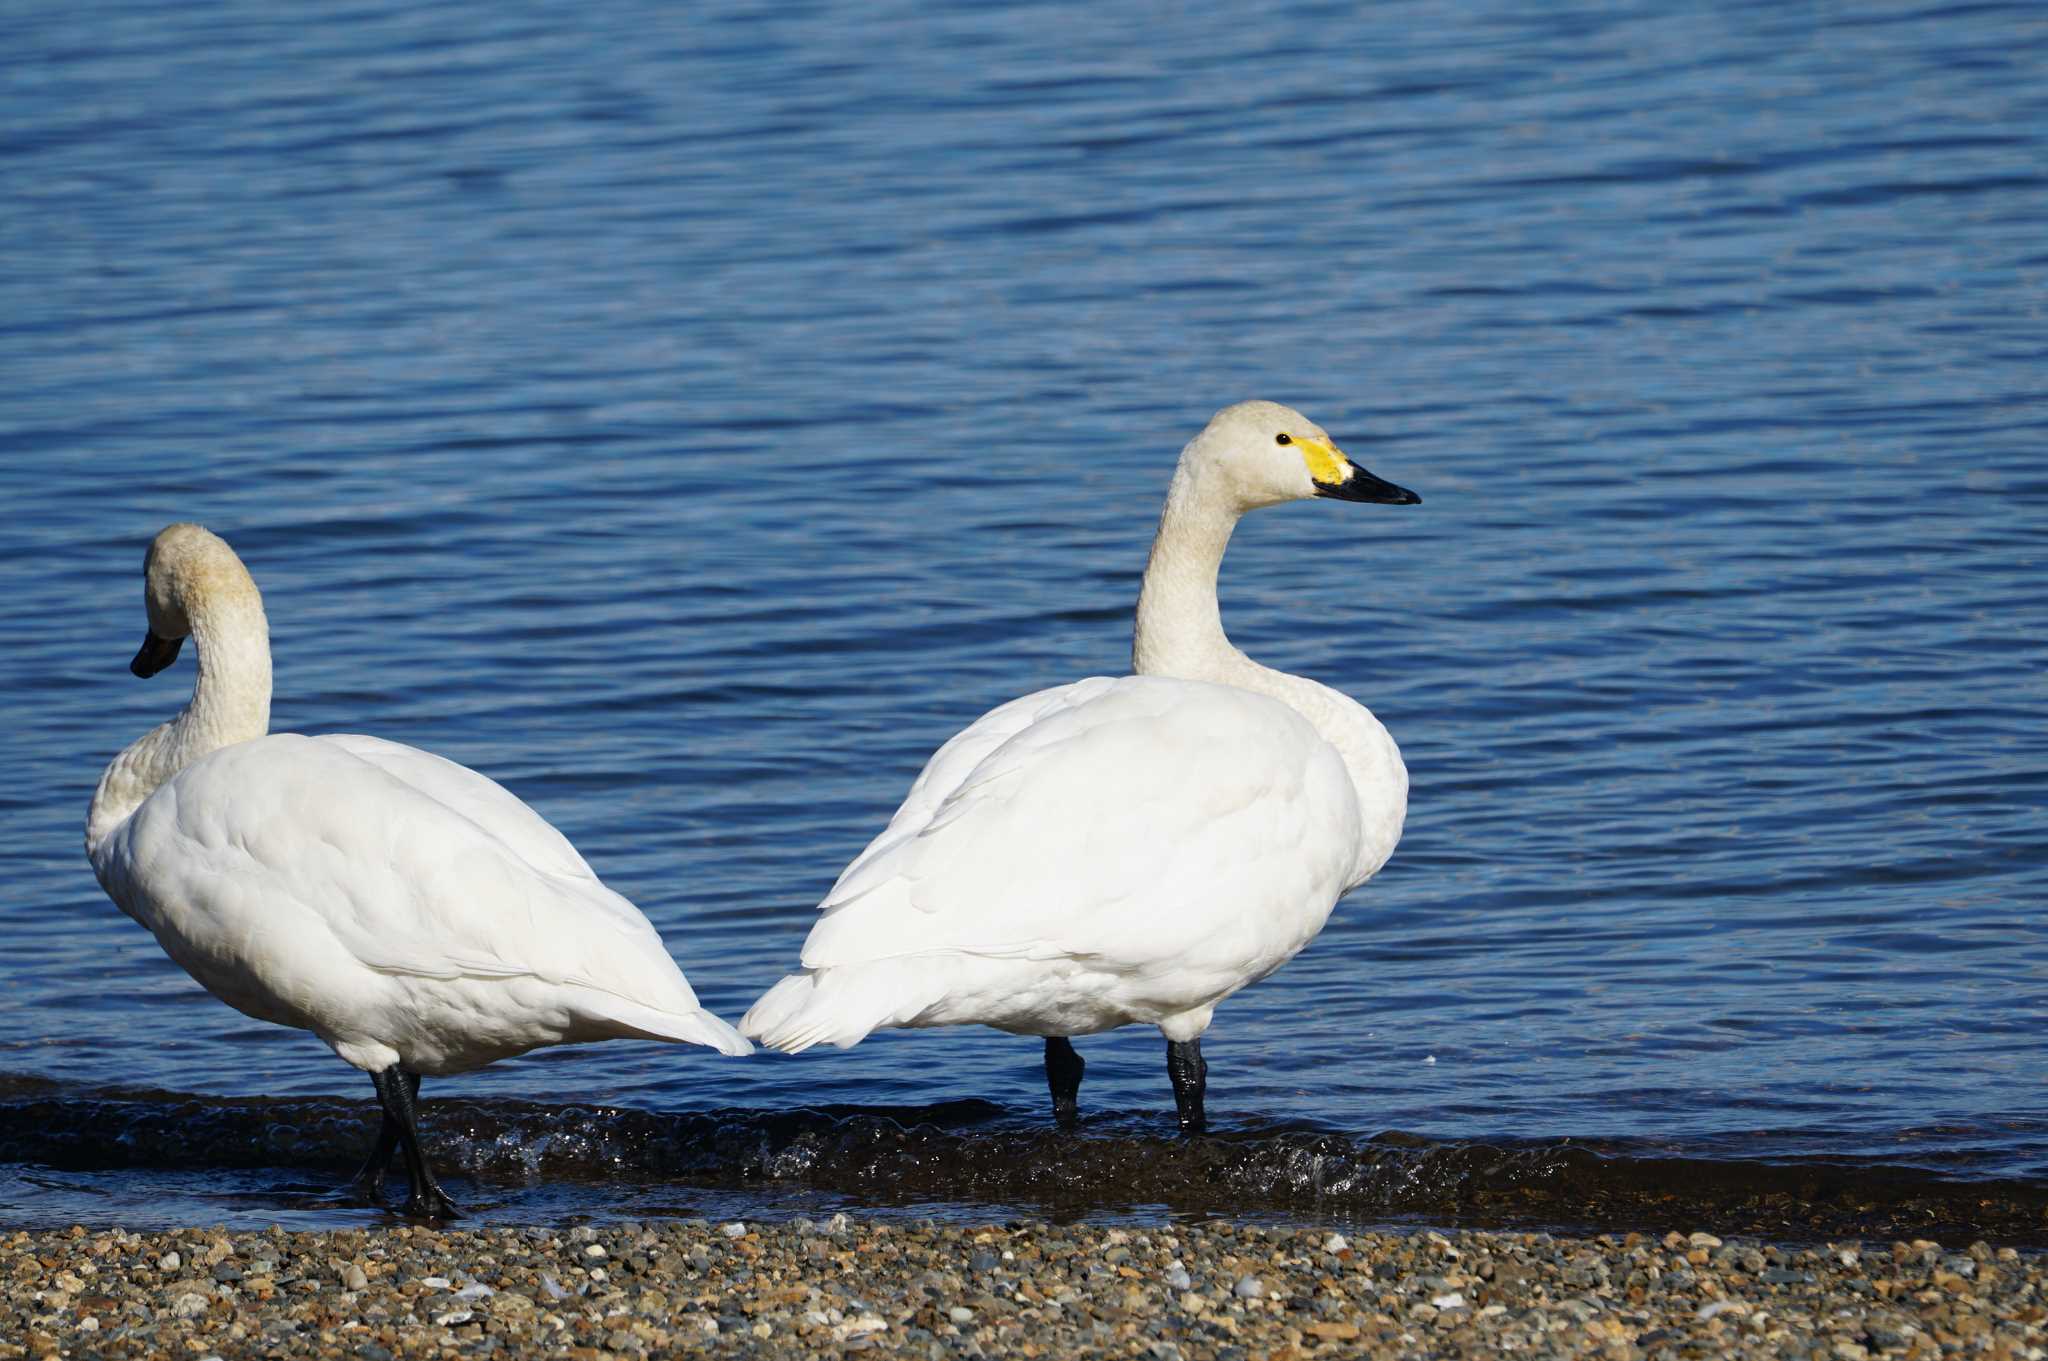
984, 1159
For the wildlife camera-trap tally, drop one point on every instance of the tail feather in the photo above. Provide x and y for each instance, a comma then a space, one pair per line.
683, 1027
839, 1007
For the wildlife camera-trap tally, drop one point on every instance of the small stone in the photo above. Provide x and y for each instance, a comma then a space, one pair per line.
1177, 1277
352, 1278
435, 1282
553, 1287
595, 1253
191, 1304
1336, 1242
1249, 1288
453, 1317
736, 1229
1334, 1331
1452, 1300
1193, 1301
1703, 1240
170, 1261
961, 1315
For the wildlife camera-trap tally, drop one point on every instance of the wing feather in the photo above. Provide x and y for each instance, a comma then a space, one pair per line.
1127, 820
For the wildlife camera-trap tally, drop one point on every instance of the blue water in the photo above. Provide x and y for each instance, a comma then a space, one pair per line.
692, 420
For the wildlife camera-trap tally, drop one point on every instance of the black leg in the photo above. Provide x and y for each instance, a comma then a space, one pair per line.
396, 1092
1190, 1075
1063, 1069
369, 1182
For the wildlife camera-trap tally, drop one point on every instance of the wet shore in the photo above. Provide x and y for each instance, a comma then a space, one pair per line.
804, 1288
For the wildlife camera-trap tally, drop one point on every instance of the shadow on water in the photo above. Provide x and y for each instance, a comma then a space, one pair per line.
965, 1160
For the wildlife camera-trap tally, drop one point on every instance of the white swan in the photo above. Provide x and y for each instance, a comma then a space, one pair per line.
1128, 849
405, 909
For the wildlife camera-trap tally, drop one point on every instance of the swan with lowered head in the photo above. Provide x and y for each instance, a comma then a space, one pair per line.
1119, 850
410, 912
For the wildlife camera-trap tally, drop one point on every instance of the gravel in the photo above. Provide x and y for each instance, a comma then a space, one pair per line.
1215, 1292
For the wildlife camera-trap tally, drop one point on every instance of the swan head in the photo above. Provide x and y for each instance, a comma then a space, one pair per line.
1262, 453
188, 570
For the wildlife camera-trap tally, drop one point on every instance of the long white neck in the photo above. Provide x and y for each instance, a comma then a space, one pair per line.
230, 703
1180, 634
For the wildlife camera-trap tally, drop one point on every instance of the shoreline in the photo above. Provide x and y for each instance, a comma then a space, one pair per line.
1218, 1290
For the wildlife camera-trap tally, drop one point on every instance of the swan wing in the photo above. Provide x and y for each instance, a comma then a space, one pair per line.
1127, 822
408, 863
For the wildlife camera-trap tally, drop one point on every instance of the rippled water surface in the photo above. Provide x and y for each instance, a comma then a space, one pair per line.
693, 420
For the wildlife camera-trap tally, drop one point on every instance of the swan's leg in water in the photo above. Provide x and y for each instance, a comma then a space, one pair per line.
1190, 1075
1063, 1069
369, 1182
396, 1090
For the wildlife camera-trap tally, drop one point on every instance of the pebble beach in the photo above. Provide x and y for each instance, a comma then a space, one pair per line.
804, 1288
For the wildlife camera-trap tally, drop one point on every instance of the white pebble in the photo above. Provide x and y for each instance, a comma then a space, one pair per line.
188, 1305
595, 1252
475, 1290
1454, 1300
1336, 1242
553, 1287
88, 1324
1249, 1288
1177, 1277
434, 1282
170, 1261
453, 1317
961, 1315
736, 1229
1707, 1311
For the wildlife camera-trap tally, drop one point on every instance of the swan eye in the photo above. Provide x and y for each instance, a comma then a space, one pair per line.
1283, 438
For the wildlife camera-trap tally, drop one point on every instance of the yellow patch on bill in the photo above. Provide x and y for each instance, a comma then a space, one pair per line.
1325, 464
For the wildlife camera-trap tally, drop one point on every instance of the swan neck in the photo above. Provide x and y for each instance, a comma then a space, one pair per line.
230, 703
1180, 634
1180, 624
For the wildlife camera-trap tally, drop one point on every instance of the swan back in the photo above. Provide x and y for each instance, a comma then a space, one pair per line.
1188, 819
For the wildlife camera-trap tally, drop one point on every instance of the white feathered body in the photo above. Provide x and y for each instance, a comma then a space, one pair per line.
1118, 850
402, 907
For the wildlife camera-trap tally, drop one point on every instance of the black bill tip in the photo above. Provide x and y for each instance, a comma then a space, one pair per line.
154, 655
1363, 486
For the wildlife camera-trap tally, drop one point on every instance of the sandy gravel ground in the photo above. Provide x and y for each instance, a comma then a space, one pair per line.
1031, 1290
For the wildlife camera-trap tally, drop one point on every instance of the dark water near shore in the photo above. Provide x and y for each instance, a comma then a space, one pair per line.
693, 421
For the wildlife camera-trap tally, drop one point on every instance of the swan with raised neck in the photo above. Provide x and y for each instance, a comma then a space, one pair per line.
193, 586
1120, 850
